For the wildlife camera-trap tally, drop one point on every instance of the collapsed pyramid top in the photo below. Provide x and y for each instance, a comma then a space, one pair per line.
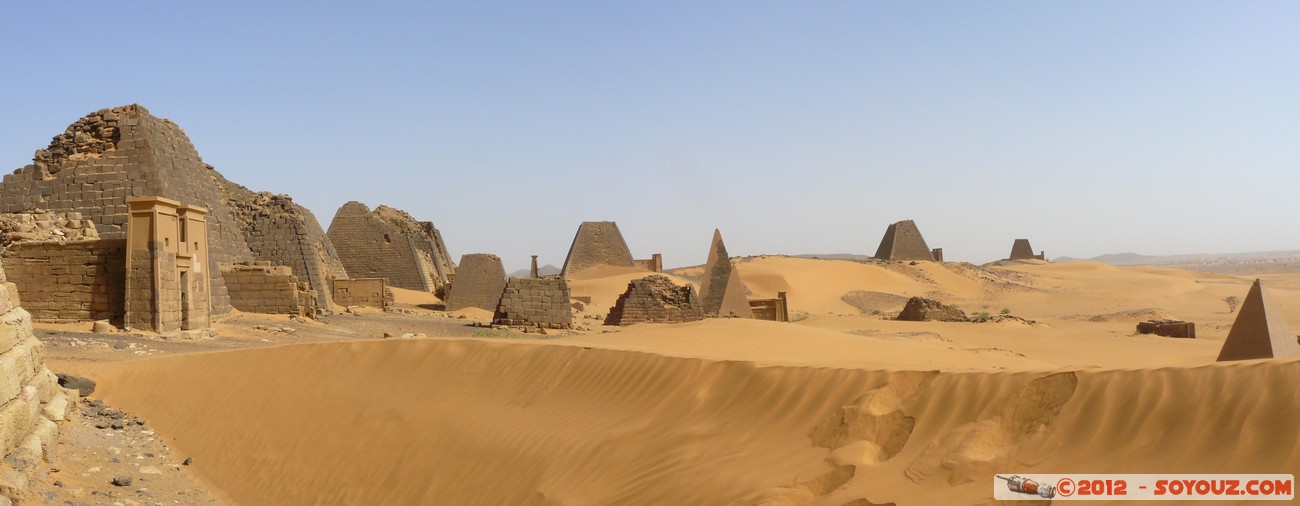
903, 241
1259, 330
597, 243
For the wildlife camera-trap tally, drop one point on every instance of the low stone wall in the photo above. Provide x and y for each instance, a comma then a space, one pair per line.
31, 401
535, 302
72, 281
259, 287
655, 299
368, 292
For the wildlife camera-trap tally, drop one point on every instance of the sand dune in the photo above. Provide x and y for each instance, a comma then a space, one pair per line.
836, 408
424, 421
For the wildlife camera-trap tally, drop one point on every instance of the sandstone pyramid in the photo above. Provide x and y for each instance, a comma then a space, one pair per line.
1259, 330
389, 243
722, 292
903, 241
597, 243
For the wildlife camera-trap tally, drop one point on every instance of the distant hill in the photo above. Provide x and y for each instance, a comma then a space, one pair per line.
545, 270
835, 256
1186, 260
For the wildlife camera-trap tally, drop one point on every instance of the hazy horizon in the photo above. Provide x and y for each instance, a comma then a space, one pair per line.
1157, 128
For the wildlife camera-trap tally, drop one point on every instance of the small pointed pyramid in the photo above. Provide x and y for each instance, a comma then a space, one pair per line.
1259, 330
735, 298
721, 291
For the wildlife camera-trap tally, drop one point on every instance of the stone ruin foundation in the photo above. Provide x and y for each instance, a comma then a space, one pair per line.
655, 299
259, 287
1168, 328
364, 292
535, 302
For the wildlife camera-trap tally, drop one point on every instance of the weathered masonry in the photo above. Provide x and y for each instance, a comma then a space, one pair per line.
388, 243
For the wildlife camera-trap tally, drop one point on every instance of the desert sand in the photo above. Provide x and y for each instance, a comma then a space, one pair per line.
842, 405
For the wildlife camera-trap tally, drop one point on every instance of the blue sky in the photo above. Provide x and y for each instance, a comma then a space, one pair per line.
1088, 127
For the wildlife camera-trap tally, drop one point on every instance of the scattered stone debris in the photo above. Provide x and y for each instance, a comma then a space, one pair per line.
122, 481
998, 318
920, 309
274, 329
83, 386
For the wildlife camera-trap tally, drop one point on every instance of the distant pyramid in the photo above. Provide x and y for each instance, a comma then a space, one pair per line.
597, 243
723, 293
903, 241
1259, 331
1020, 250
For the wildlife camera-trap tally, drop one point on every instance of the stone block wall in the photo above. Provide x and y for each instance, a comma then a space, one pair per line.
535, 302
480, 280
597, 243
31, 401
655, 299
368, 292
653, 264
70, 282
260, 287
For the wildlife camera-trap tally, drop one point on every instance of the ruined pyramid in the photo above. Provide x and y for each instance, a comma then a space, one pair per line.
113, 154
722, 291
1259, 330
903, 241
